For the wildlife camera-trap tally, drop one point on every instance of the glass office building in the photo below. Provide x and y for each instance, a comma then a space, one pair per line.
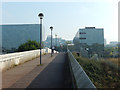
15, 35
90, 39
89, 36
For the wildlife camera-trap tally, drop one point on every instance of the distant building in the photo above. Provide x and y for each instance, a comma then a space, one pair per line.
112, 44
90, 40
105, 42
89, 36
55, 41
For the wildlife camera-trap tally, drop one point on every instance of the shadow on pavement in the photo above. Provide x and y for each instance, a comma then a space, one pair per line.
53, 76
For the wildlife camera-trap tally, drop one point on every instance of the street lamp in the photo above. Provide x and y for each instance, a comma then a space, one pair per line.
56, 39
41, 17
51, 39
88, 51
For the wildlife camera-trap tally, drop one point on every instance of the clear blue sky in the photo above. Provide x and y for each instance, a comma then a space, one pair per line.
65, 17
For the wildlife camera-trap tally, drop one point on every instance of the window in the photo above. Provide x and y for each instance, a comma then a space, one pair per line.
82, 38
82, 32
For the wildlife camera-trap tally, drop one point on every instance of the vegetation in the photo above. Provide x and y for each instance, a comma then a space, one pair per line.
91, 49
29, 45
40, 64
100, 50
114, 60
110, 52
62, 48
68, 42
103, 73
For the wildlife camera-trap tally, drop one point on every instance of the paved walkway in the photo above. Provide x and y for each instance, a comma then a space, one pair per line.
12, 75
52, 76
29, 75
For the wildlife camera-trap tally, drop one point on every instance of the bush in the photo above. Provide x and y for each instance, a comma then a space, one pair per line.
29, 45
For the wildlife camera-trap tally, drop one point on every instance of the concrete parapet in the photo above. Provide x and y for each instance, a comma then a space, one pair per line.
13, 59
79, 77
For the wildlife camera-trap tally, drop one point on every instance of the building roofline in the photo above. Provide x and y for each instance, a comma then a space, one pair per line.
90, 28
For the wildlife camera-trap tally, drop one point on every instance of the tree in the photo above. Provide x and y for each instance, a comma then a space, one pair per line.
68, 42
110, 52
29, 45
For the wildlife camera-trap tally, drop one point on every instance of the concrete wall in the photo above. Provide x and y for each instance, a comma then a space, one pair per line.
79, 77
10, 60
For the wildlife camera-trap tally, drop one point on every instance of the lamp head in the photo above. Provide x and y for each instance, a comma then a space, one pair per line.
41, 15
51, 28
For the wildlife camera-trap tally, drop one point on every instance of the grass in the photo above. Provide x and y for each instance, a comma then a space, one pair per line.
115, 61
14, 65
44, 53
103, 73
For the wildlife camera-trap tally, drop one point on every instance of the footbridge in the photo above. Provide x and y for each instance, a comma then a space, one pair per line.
23, 70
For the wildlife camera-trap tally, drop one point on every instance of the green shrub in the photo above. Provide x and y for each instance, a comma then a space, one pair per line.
29, 45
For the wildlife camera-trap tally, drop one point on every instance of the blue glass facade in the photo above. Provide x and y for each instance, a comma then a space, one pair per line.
89, 36
15, 35
89, 40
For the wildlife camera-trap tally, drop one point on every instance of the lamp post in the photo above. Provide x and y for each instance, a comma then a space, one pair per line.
51, 39
88, 51
56, 40
41, 17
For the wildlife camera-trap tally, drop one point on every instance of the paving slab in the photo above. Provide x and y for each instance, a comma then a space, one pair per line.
13, 75
52, 76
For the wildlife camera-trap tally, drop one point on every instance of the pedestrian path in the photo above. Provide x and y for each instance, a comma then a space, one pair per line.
52, 76
31, 75
12, 75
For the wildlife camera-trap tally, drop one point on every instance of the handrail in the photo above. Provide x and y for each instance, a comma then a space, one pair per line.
79, 77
